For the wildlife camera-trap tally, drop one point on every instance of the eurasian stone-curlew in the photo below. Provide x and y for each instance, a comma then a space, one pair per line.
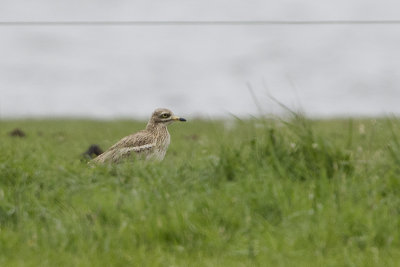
151, 143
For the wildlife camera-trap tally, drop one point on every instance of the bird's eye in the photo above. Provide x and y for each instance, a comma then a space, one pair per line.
165, 115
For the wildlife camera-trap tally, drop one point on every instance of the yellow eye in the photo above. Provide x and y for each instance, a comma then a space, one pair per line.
165, 115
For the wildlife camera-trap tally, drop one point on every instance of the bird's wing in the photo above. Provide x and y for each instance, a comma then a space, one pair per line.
138, 142
141, 140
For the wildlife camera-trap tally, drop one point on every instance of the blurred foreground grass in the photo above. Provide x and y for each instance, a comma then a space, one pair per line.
237, 193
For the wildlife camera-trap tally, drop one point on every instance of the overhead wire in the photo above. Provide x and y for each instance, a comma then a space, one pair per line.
196, 22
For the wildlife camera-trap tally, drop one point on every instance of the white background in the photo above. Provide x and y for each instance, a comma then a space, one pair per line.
127, 71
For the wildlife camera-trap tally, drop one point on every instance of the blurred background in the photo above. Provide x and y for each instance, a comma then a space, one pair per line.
125, 71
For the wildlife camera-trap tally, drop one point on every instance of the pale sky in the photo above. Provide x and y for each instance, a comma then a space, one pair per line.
100, 71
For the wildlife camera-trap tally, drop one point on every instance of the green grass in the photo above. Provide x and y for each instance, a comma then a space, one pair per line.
243, 193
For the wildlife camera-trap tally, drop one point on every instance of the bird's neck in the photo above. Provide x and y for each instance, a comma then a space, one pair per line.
160, 133
156, 127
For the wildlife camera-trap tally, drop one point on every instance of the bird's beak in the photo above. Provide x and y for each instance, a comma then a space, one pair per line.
176, 118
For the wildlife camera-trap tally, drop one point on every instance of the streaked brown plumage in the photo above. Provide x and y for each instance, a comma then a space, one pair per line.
151, 143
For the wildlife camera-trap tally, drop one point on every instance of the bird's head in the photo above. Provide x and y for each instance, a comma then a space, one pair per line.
164, 116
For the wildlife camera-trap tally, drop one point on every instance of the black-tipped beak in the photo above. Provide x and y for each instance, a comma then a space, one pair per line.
176, 118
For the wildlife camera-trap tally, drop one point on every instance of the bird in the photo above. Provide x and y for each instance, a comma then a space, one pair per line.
149, 144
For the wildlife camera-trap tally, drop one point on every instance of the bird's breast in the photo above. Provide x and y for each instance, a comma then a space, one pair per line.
162, 144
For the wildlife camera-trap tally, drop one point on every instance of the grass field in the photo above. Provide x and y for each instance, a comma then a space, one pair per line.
240, 193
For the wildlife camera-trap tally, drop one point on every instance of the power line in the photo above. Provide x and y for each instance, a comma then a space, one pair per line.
199, 23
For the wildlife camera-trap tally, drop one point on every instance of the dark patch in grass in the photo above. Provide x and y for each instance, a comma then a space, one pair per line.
17, 133
92, 152
270, 212
192, 137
